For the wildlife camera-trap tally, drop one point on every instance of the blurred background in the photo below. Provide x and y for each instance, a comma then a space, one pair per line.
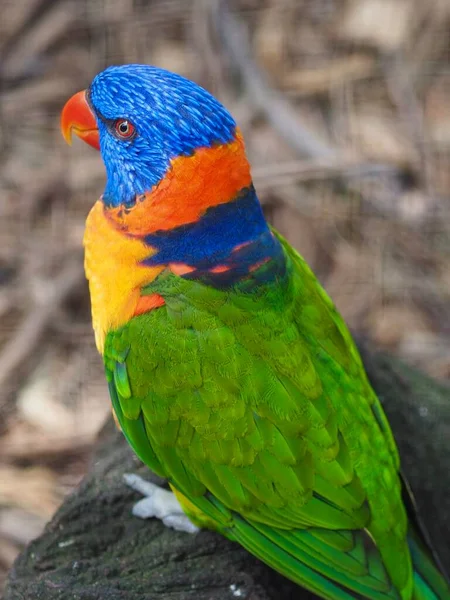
344, 105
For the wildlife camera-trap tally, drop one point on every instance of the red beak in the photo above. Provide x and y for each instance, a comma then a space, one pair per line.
77, 117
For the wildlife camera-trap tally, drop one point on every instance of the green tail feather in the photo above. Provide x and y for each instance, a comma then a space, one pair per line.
284, 551
287, 553
429, 584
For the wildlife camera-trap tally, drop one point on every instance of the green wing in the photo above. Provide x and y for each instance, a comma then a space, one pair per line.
254, 404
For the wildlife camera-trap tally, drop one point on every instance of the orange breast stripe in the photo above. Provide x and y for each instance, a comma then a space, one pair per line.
147, 303
180, 268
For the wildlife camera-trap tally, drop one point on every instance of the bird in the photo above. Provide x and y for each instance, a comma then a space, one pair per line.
230, 371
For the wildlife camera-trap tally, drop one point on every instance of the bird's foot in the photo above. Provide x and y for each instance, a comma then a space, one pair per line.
158, 503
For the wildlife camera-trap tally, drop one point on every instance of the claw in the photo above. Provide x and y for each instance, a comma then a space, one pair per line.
158, 503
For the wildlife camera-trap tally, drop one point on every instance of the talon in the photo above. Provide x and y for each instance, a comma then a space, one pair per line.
135, 482
180, 523
158, 503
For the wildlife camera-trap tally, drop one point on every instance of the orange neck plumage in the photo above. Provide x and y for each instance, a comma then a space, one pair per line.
114, 240
211, 176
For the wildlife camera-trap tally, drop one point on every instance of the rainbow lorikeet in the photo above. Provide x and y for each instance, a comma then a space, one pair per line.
229, 369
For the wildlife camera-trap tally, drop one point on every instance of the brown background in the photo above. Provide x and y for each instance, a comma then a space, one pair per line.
345, 109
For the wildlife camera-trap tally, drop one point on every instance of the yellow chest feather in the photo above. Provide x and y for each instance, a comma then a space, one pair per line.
112, 266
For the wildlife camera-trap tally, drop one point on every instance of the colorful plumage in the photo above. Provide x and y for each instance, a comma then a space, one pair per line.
229, 369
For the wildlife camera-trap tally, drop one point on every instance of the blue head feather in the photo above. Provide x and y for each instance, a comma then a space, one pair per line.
172, 117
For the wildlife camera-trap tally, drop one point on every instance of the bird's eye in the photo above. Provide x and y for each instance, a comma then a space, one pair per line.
124, 129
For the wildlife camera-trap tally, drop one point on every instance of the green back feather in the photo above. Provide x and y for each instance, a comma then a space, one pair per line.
255, 405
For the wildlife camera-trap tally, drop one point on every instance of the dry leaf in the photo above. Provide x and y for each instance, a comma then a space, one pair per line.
33, 489
389, 324
425, 348
352, 283
47, 30
265, 147
385, 24
335, 72
8, 553
38, 406
20, 526
270, 39
437, 112
172, 56
299, 230
24, 442
379, 137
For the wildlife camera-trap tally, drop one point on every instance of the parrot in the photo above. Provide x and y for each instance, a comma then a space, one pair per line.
229, 369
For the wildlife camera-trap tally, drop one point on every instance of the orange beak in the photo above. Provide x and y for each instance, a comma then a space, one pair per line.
77, 117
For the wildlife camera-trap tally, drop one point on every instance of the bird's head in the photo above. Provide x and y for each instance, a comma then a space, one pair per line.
142, 119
